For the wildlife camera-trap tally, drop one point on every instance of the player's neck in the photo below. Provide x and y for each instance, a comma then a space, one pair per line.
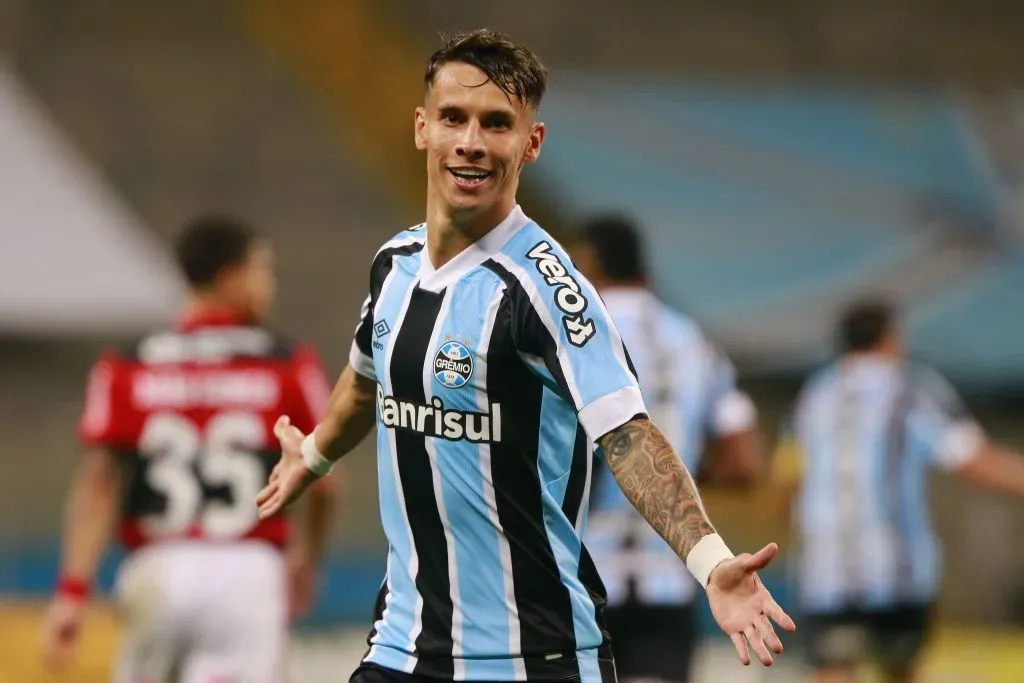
450, 233
207, 305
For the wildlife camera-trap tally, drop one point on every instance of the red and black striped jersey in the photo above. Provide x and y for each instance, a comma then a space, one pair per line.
190, 413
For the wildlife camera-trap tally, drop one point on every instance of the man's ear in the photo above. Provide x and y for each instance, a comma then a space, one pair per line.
420, 128
537, 134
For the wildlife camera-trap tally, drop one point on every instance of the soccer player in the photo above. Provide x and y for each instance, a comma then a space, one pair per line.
690, 391
867, 428
491, 368
178, 430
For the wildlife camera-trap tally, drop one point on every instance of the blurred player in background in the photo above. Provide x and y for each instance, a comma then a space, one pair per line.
178, 436
868, 427
491, 369
690, 391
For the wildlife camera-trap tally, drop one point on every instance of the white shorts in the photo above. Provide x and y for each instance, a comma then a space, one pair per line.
208, 613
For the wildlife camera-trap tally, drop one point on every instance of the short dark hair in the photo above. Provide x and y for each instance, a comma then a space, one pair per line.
864, 324
209, 244
617, 244
509, 65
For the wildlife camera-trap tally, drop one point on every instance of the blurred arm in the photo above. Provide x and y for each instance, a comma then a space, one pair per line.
657, 483
732, 423
997, 467
350, 415
90, 512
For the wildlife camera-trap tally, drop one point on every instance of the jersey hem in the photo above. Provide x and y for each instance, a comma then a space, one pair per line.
555, 666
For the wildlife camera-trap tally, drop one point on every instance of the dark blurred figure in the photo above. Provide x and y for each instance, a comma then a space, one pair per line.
178, 439
690, 391
868, 428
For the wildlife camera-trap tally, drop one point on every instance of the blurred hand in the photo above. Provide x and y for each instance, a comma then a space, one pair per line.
744, 608
61, 631
290, 476
302, 584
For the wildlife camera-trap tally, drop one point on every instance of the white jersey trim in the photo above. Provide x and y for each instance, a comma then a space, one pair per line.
611, 411
734, 413
959, 444
361, 363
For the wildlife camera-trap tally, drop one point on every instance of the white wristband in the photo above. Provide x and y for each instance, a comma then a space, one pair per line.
709, 552
314, 459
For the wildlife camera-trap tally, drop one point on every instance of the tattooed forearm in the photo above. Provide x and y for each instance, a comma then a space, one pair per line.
657, 483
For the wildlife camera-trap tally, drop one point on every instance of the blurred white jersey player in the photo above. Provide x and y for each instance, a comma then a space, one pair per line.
178, 436
690, 390
868, 427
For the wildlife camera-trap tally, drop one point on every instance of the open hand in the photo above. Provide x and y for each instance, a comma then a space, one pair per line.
290, 476
744, 608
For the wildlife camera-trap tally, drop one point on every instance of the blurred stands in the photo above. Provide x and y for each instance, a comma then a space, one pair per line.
768, 206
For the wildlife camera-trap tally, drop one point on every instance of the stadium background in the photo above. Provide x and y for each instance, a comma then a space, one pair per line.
783, 156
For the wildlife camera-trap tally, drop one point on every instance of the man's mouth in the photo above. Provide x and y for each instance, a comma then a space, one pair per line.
469, 177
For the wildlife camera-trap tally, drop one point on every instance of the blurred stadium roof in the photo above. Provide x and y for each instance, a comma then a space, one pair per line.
766, 208
73, 258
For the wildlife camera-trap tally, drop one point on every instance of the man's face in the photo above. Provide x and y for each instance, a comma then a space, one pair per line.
477, 139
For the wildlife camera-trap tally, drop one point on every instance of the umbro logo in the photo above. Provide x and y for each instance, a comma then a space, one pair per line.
380, 328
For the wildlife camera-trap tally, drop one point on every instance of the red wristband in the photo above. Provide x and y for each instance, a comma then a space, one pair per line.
78, 589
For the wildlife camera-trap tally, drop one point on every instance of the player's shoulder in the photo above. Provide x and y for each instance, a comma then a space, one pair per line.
819, 382
169, 346
410, 239
927, 383
532, 244
681, 326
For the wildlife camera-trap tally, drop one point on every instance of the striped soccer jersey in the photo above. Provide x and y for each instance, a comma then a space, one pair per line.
867, 430
495, 375
690, 391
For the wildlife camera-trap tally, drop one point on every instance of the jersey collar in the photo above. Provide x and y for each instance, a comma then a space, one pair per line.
209, 317
472, 256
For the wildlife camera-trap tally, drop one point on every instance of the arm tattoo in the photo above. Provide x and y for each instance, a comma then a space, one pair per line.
657, 483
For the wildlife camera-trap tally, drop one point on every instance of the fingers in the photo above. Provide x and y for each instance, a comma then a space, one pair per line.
289, 435
282, 425
776, 614
741, 648
267, 493
272, 505
752, 636
762, 558
767, 634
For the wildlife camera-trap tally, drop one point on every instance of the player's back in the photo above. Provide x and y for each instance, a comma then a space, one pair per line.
868, 428
189, 413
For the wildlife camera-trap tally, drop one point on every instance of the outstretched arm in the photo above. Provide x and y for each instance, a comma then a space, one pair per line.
304, 458
657, 483
349, 418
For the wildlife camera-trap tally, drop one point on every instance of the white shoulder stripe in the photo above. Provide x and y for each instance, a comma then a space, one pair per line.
530, 287
403, 241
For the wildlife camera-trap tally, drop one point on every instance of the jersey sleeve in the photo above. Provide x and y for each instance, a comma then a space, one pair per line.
730, 410
360, 356
311, 390
103, 422
565, 334
941, 422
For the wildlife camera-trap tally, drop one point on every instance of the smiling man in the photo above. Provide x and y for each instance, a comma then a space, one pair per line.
492, 371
